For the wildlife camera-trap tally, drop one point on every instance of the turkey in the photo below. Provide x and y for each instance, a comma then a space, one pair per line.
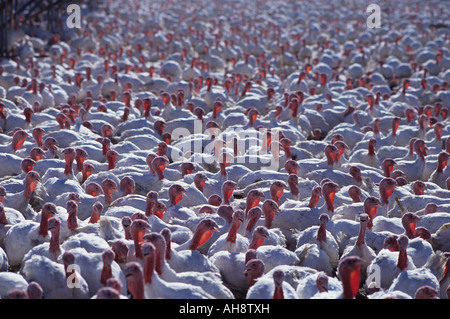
23, 236
272, 288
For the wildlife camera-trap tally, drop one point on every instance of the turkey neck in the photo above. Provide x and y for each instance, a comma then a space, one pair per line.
149, 268
160, 252
252, 222
137, 236
68, 166
350, 283
148, 207
313, 201
322, 233
232, 233
442, 163
294, 189
329, 200
111, 162
3, 220
409, 228
94, 217
199, 184
197, 239
137, 288
30, 186
278, 293
80, 161
268, 217
402, 262
43, 226
361, 235
106, 273
371, 150
446, 275
72, 220
54, 241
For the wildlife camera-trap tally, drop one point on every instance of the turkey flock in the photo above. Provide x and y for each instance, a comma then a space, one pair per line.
311, 163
